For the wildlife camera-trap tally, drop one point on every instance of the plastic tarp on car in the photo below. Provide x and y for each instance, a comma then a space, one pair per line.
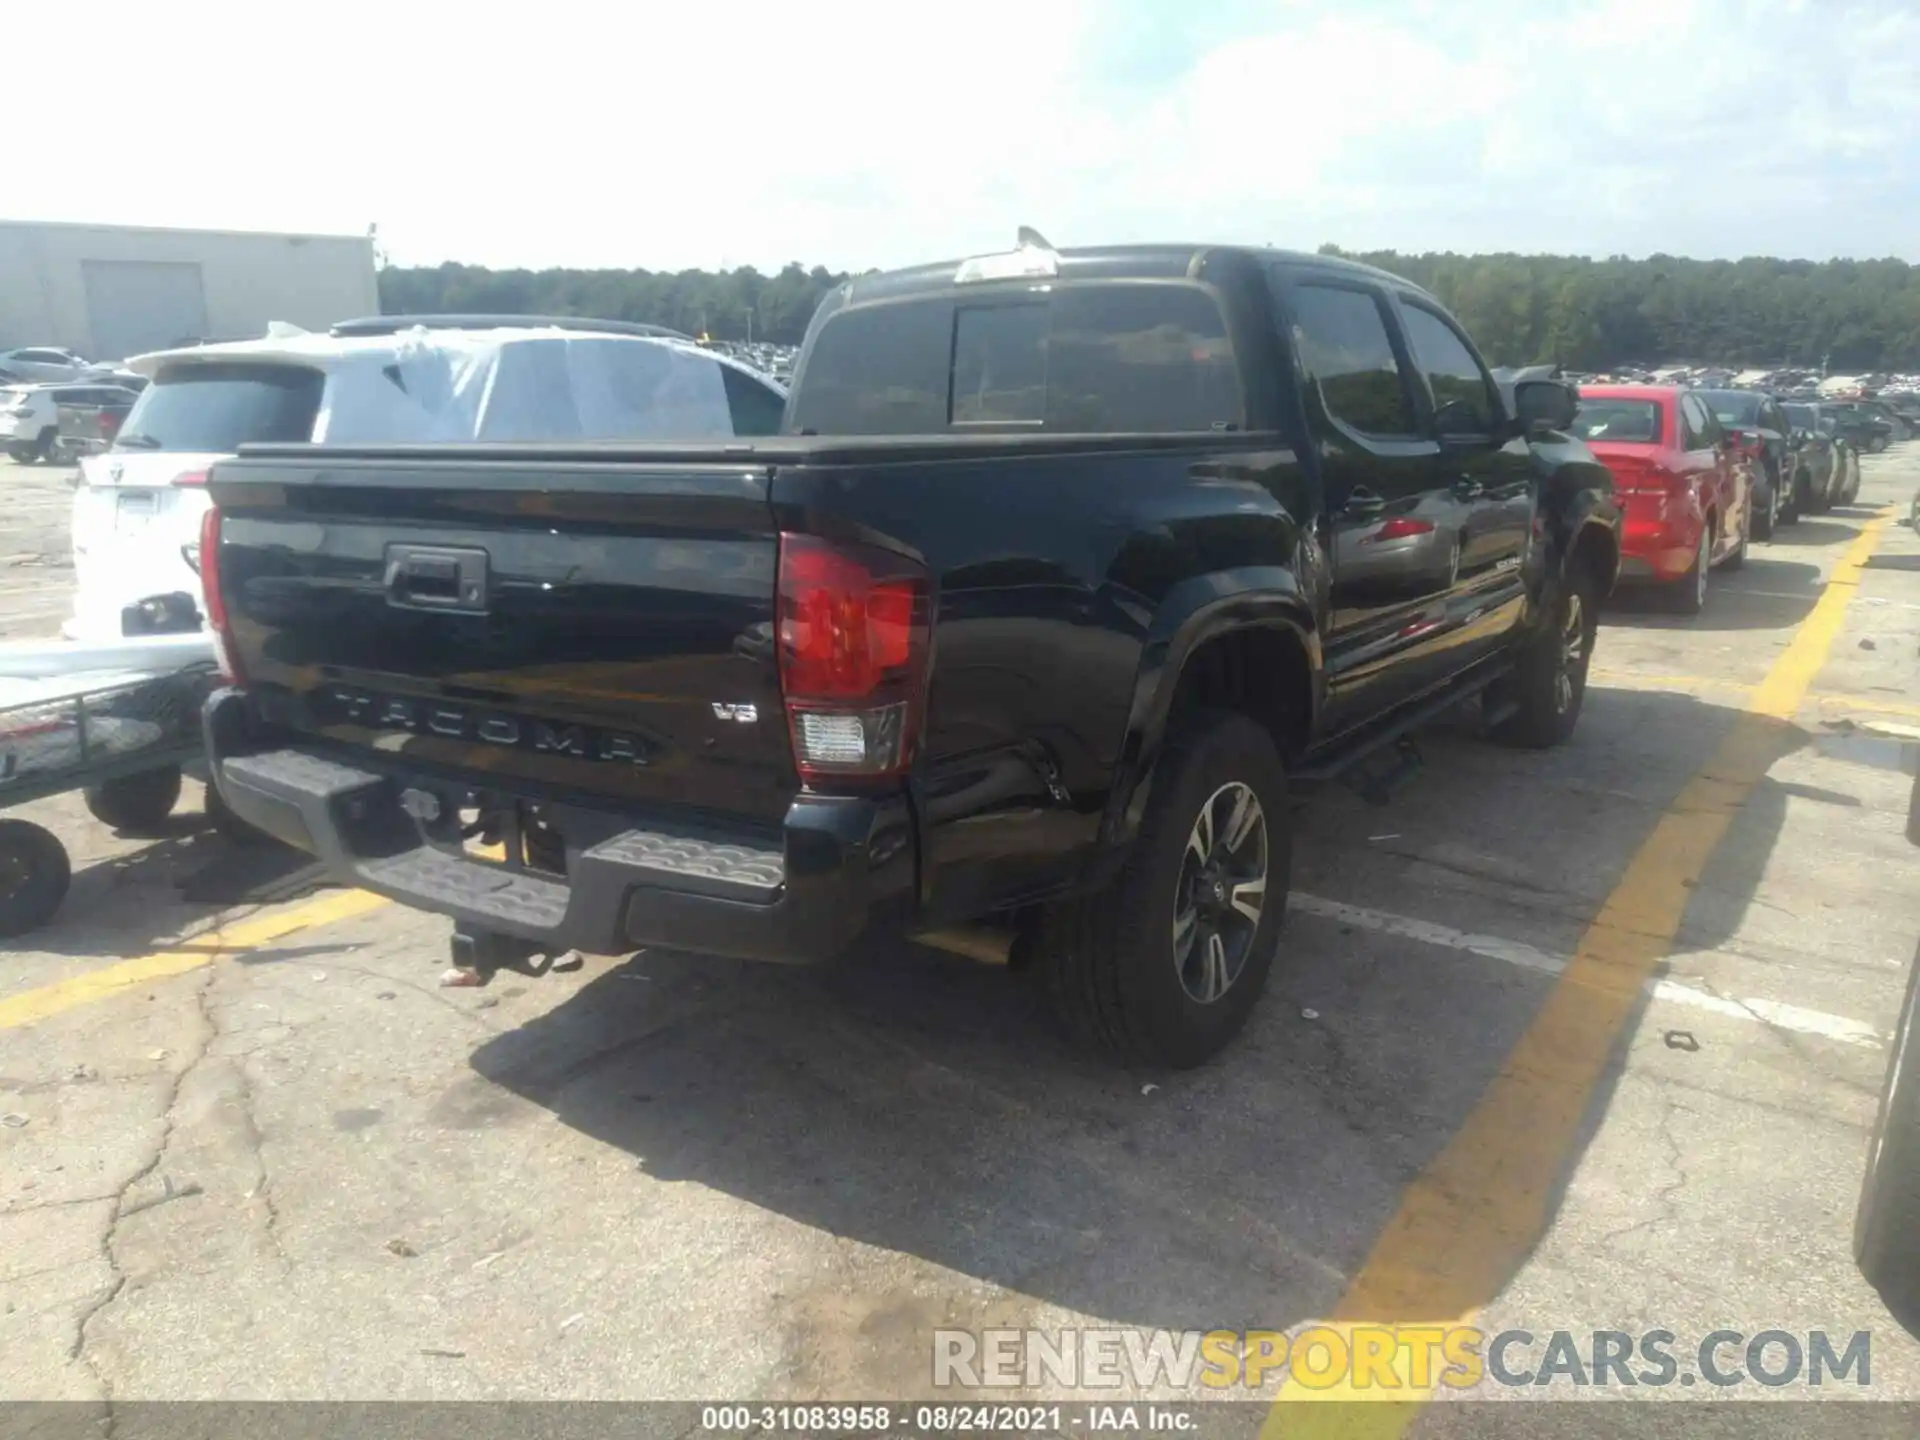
521, 386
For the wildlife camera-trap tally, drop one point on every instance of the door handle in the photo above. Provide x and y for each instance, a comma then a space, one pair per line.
423, 577
1363, 504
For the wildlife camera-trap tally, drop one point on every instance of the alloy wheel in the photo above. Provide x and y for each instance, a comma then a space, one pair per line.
1221, 893
1573, 650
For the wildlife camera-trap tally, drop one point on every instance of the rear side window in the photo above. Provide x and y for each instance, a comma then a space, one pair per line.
589, 388
1696, 424
1086, 359
1341, 339
1462, 393
218, 407
757, 409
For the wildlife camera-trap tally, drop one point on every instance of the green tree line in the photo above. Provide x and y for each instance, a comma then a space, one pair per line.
1522, 309
1856, 315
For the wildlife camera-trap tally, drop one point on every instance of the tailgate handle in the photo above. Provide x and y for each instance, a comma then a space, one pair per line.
431, 577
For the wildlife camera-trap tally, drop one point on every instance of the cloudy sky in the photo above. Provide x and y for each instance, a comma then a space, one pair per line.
662, 134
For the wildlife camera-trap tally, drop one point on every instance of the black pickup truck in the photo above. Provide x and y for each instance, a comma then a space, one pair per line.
1062, 565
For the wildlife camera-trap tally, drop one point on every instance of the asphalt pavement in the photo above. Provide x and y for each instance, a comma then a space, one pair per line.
1584, 1039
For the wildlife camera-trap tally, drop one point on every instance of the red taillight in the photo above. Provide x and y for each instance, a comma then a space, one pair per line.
854, 628
211, 599
196, 479
107, 422
1400, 529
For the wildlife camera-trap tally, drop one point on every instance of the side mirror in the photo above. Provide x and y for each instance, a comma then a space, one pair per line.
1543, 405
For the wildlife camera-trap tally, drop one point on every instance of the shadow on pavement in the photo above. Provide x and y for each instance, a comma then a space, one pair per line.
1810, 530
1767, 594
924, 1106
133, 903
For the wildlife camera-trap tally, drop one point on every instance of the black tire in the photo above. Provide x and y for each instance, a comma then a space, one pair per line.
1810, 503
136, 804
1549, 680
34, 875
1786, 508
43, 447
1765, 510
1737, 557
1688, 594
1886, 1224
1112, 963
20, 454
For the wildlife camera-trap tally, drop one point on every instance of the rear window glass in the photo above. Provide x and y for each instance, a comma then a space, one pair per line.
1635, 422
1801, 415
218, 407
537, 389
1087, 359
1000, 364
1733, 409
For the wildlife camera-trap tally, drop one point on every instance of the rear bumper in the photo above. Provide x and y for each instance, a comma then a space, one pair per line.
1662, 555
837, 868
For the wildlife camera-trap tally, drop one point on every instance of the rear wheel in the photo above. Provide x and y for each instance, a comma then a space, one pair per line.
1803, 501
1737, 557
1164, 965
1688, 594
1786, 498
136, 804
34, 875
1886, 1225
1763, 502
1549, 680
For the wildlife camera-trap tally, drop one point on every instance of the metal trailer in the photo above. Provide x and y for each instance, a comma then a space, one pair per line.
124, 736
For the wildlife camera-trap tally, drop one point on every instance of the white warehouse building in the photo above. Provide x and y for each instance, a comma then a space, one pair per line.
110, 291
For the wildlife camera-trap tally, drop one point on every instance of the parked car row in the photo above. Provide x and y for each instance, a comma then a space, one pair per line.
1701, 474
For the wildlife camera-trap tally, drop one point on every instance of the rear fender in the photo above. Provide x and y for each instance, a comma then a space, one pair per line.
1194, 613
1577, 515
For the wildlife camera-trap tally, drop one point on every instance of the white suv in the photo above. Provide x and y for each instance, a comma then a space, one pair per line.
137, 511
29, 420
40, 364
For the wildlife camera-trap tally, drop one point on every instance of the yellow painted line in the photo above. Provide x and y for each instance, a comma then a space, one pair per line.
1824, 700
1635, 680
1469, 1220
250, 934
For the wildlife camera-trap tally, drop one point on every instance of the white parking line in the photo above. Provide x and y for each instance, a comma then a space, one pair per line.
1526, 957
